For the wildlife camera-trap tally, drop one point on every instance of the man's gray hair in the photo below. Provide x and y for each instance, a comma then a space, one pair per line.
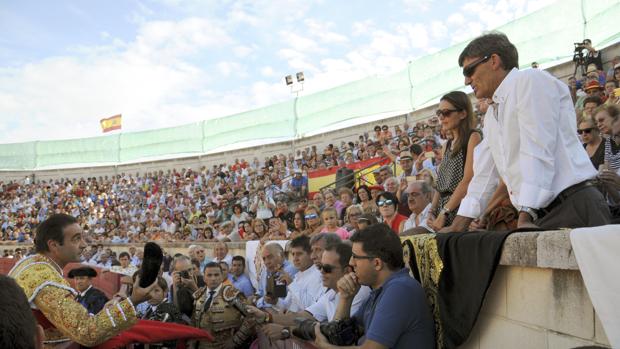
275, 248
330, 238
425, 188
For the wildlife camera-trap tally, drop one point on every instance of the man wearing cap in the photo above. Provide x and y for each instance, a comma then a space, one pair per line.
299, 184
90, 297
406, 164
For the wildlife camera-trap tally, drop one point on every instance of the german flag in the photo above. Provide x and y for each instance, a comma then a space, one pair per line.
111, 123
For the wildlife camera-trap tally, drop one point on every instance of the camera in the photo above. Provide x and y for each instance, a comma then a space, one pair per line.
275, 288
339, 332
185, 274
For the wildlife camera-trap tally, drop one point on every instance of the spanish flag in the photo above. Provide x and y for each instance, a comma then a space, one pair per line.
111, 123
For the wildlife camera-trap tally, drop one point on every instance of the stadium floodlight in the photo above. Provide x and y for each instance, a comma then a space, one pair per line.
289, 80
300, 77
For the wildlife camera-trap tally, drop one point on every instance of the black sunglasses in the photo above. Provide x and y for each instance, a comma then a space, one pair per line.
585, 130
469, 70
326, 268
444, 113
354, 256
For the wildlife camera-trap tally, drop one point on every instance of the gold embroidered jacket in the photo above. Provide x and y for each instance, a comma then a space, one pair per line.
48, 292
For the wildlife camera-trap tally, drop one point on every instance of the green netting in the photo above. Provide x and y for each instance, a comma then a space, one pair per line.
274, 121
75, 151
166, 141
545, 36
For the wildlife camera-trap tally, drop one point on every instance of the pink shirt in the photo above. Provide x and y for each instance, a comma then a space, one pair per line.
341, 232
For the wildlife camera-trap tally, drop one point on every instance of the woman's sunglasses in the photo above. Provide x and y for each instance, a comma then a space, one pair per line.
382, 203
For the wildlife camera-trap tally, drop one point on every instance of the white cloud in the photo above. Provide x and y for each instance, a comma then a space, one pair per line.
321, 31
362, 27
267, 71
438, 30
242, 51
228, 68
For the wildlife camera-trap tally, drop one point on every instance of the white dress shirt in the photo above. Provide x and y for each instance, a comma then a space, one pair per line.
325, 308
410, 223
530, 141
305, 290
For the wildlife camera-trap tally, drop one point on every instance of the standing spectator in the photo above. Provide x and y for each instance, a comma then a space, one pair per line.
299, 184
536, 135
387, 203
90, 297
263, 206
456, 170
220, 253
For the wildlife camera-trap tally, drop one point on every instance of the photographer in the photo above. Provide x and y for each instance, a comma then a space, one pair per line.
593, 56
184, 284
396, 315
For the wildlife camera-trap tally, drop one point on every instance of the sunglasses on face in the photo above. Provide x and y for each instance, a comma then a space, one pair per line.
444, 113
311, 216
354, 256
326, 268
382, 203
585, 130
469, 70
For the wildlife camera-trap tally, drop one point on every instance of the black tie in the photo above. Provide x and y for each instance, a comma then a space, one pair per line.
209, 300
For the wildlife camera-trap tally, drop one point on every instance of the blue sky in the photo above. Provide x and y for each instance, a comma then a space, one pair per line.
66, 64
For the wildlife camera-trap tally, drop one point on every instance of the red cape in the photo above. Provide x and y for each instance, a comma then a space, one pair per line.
148, 331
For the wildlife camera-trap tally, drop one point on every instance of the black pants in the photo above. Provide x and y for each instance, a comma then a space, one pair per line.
585, 208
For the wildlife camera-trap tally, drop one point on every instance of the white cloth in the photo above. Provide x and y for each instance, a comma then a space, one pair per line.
596, 250
530, 141
227, 258
410, 223
325, 308
305, 290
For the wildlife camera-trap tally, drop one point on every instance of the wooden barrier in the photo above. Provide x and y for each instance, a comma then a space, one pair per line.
107, 282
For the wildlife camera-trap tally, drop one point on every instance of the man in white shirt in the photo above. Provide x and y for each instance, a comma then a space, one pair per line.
306, 288
334, 264
530, 142
220, 253
419, 198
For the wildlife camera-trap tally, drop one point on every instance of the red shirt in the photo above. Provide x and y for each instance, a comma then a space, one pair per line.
396, 220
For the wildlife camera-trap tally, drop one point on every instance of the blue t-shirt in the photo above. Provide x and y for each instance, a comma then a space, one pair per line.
397, 314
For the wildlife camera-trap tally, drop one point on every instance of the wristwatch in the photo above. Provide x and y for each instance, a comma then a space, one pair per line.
285, 333
531, 211
445, 211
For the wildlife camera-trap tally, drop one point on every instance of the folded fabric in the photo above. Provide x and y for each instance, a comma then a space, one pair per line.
147, 331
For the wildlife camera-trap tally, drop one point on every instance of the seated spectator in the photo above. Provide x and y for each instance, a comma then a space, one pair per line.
318, 243
366, 220
419, 201
604, 122
351, 222
220, 253
283, 213
318, 200
610, 176
428, 176
364, 198
610, 94
334, 264
330, 219
589, 104
238, 277
276, 269
592, 141
312, 216
304, 289
299, 184
277, 229
263, 205
388, 203
456, 170
238, 215
299, 224
346, 197
396, 314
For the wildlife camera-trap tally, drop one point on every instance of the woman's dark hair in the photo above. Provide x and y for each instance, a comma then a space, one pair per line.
490, 43
237, 206
357, 193
52, 229
461, 102
387, 196
302, 215
379, 240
